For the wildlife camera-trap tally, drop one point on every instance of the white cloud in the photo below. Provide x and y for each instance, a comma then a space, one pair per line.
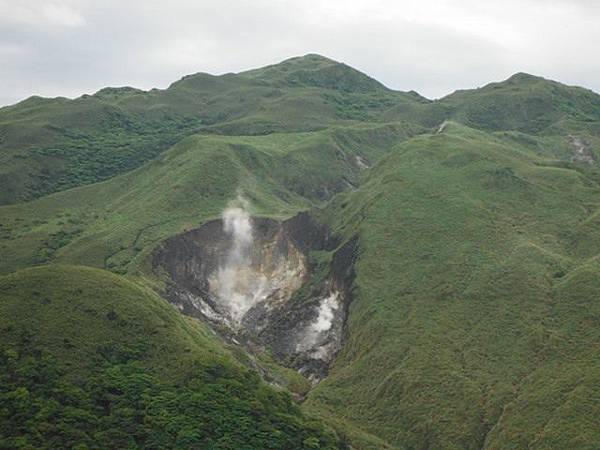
9, 49
41, 13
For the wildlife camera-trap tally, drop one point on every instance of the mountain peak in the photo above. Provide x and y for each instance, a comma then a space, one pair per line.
522, 77
108, 92
314, 70
312, 58
310, 61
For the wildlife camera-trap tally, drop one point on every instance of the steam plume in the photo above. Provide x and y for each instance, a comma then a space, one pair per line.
236, 222
238, 285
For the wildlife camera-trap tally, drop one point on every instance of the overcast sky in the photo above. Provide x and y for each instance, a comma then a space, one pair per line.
71, 47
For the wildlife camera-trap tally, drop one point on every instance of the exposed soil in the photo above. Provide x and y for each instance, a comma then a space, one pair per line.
297, 314
581, 151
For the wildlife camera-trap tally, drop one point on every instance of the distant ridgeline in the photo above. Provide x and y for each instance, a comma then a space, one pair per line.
469, 235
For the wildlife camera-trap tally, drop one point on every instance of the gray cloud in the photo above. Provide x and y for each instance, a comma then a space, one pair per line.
70, 47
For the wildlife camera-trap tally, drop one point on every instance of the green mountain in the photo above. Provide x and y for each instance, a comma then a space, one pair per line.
445, 260
49, 145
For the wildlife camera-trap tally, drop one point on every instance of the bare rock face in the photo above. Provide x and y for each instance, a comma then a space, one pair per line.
252, 277
581, 150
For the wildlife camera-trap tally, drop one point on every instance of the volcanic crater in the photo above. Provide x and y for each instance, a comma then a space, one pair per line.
257, 282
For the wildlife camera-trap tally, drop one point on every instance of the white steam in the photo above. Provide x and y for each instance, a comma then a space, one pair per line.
253, 270
326, 315
236, 284
236, 222
263, 270
315, 333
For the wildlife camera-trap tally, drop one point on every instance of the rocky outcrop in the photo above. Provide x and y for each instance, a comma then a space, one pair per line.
271, 298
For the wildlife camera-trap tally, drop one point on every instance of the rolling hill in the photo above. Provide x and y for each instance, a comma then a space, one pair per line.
472, 320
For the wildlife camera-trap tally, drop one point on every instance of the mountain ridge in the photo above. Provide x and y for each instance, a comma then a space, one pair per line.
470, 311
117, 129
308, 57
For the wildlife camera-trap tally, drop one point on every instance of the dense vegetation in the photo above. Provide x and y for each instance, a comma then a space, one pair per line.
90, 360
475, 316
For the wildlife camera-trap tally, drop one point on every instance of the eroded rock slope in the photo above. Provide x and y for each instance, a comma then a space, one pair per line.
256, 279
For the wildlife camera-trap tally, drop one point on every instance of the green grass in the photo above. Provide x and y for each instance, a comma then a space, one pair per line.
49, 145
115, 224
524, 103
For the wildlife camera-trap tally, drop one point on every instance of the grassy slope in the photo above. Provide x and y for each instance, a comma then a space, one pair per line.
475, 321
116, 223
523, 103
48, 145
91, 360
